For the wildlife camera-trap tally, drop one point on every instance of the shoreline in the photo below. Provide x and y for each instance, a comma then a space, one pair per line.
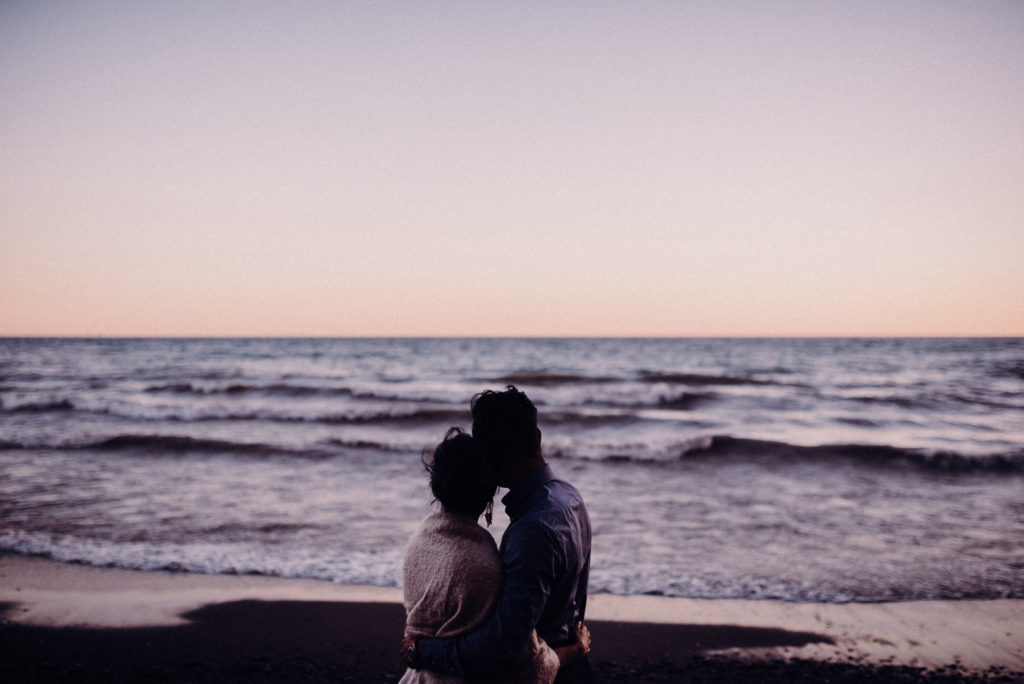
198, 622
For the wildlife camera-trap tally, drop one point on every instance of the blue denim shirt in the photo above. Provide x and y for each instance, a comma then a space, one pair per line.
545, 553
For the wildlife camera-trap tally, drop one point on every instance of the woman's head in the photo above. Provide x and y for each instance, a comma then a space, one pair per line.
462, 475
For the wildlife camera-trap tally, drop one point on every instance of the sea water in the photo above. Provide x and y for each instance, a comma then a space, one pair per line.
797, 469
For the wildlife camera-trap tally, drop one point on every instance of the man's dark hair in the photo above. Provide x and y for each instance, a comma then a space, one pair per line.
462, 475
506, 422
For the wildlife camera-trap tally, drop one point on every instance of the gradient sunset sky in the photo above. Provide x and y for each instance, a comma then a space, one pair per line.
512, 168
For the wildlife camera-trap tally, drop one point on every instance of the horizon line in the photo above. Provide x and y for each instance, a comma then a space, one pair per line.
508, 337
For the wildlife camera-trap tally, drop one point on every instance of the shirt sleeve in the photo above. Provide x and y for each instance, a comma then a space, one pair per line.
530, 558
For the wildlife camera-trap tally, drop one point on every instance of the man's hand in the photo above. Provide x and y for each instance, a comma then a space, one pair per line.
577, 650
583, 637
409, 655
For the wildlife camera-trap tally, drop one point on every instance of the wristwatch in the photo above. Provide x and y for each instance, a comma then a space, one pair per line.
411, 656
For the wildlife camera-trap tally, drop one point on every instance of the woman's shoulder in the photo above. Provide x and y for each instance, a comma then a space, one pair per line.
455, 526
457, 538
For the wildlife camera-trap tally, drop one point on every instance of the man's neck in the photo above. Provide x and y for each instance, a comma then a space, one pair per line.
524, 469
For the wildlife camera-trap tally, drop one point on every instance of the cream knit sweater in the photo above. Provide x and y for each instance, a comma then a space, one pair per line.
452, 578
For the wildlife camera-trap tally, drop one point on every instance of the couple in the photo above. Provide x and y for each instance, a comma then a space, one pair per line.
472, 614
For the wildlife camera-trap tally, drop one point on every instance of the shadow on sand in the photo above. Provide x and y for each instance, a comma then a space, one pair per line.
283, 641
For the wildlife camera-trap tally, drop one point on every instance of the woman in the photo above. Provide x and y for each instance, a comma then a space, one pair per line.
452, 572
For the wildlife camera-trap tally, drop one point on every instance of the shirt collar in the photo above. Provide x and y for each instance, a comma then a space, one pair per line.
518, 494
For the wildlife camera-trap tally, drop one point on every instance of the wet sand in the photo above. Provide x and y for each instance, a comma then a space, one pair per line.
64, 622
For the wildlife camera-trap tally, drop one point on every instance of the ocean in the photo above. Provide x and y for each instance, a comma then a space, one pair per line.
828, 470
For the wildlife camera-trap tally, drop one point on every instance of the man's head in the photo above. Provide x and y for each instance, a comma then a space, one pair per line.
506, 422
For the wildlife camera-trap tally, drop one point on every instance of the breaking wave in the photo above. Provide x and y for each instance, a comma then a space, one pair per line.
864, 454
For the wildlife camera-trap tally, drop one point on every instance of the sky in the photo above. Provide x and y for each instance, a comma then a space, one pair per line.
692, 168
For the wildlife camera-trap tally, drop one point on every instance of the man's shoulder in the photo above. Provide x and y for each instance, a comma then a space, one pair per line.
558, 484
549, 506
561, 495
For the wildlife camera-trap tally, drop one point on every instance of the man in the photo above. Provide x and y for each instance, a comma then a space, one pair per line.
545, 553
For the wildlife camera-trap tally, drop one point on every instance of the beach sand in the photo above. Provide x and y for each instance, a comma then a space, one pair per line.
64, 622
